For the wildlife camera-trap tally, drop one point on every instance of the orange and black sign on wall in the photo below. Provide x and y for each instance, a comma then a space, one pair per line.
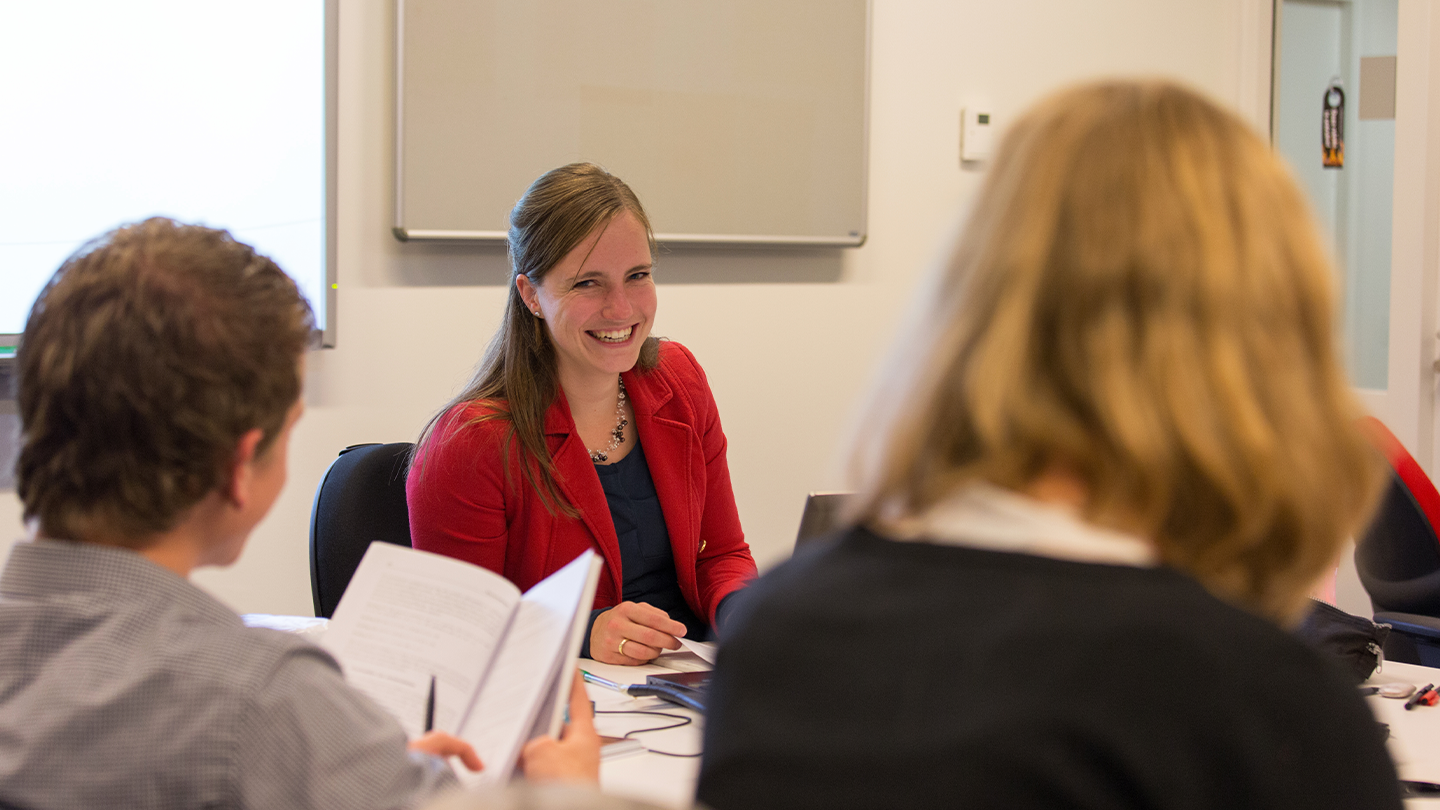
1332, 127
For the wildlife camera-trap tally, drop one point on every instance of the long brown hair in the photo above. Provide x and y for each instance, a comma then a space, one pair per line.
517, 375
1142, 297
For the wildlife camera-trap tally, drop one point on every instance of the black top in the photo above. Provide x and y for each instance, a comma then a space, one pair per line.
646, 560
871, 673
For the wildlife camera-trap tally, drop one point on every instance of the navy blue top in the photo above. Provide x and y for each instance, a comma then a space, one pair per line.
646, 561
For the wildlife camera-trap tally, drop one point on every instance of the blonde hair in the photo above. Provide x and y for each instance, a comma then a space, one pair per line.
1140, 297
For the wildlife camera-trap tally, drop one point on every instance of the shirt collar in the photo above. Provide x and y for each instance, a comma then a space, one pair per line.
44, 568
982, 515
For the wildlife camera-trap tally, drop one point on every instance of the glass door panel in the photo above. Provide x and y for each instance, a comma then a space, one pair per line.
1351, 46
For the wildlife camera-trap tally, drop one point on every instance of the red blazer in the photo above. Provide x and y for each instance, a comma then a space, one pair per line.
462, 505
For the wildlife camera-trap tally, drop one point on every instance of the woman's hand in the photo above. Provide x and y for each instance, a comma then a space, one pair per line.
575, 757
443, 745
645, 631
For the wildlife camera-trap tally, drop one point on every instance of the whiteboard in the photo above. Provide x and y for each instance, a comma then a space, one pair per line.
736, 122
115, 112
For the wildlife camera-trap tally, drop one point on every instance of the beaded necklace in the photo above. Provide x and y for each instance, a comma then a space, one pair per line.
617, 436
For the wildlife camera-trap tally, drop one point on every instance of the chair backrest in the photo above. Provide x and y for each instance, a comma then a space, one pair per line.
1398, 554
361, 498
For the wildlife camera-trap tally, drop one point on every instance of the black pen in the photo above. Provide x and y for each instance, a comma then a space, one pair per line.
430, 708
1419, 693
1410, 788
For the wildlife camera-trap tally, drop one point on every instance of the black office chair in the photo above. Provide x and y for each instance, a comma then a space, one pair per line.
1398, 555
361, 498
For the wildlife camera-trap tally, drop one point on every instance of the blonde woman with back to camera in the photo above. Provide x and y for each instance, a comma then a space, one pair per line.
1111, 459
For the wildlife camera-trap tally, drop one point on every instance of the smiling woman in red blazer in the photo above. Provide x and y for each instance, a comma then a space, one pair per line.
581, 431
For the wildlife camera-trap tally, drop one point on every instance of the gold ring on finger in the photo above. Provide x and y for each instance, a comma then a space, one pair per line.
621, 648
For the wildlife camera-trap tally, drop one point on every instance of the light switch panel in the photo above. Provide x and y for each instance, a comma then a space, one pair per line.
975, 137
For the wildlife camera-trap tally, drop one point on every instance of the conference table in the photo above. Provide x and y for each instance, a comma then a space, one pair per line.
668, 779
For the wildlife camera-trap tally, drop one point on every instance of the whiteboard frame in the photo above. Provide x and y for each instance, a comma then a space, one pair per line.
405, 234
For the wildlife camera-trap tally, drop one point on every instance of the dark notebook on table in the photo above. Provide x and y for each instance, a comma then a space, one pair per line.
687, 684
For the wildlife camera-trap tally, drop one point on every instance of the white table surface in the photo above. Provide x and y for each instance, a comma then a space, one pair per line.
663, 780
1414, 735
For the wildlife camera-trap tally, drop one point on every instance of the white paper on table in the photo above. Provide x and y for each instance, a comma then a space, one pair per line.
704, 649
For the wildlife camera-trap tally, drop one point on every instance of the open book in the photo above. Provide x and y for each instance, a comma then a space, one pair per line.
501, 661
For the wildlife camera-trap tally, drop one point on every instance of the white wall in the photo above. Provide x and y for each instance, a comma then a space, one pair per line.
788, 339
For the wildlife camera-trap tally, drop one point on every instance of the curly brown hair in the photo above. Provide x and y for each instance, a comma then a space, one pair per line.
151, 351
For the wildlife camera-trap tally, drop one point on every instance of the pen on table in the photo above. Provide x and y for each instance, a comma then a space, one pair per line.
636, 690
430, 708
599, 681
1419, 693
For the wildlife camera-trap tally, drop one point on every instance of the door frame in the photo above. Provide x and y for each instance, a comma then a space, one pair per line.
1407, 405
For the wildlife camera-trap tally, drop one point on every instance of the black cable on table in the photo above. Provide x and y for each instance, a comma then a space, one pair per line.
684, 721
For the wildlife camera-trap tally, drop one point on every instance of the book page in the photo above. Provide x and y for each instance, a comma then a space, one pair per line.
535, 650
409, 615
551, 715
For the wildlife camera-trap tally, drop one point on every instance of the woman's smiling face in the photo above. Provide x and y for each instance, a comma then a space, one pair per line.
598, 302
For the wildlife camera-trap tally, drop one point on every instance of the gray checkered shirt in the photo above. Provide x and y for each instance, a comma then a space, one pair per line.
123, 685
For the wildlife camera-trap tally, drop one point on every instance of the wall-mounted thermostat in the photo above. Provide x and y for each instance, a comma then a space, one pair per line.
975, 136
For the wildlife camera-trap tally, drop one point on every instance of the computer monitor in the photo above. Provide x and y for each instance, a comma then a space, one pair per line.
822, 515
